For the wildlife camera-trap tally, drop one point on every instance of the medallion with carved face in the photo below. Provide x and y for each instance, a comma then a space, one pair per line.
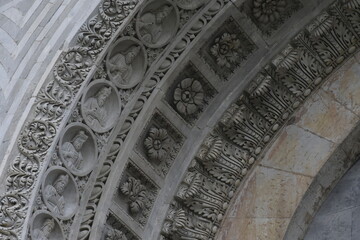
60, 192
101, 105
78, 149
45, 227
126, 62
157, 23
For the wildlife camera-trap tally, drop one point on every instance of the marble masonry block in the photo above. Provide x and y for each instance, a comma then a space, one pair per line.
135, 194
298, 151
253, 229
190, 93
325, 117
344, 85
345, 195
115, 230
355, 221
159, 143
270, 228
335, 226
265, 205
226, 49
237, 228
278, 193
269, 15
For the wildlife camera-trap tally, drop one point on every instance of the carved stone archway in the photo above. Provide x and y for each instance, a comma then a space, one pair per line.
149, 124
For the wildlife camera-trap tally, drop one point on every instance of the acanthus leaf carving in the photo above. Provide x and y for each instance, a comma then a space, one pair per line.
181, 224
224, 161
21, 173
37, 138
136, 192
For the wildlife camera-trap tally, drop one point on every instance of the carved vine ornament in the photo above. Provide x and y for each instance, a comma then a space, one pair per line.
55, 166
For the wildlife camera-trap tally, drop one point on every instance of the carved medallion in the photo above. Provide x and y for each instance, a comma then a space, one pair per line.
60, 192
126, 62
46, 227
101, 106
77, 149
190, 4
157, 23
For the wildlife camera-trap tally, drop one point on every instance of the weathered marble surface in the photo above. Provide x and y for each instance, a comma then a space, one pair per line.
298, 158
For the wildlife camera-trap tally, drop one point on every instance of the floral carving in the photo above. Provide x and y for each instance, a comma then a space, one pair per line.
12, 212
268, 10
37, 137
157, 144
136, 192
114, 234
189, 96
226, 50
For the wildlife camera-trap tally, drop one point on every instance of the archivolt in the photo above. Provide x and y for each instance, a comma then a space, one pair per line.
157, 161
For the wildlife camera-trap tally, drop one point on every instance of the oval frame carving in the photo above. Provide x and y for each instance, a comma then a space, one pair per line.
138, 65
58, 235
70, 192
168, 27
69, 134
110, 103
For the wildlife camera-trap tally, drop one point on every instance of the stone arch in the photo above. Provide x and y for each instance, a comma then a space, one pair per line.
188, 132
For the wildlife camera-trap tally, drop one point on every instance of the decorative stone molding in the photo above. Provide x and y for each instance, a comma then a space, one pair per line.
54, 99
229, 47
224, 157
252, 121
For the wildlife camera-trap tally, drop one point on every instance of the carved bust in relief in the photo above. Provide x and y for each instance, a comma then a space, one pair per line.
54, 194
151, 23
120, 65
94, 108
71, 151
44, 232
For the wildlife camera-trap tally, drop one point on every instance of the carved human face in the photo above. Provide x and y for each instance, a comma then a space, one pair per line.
102, 98
160, 16
60, 186
78, 143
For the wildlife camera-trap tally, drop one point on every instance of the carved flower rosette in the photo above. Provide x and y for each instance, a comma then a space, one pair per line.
188, 96
226, 50
157, 144
268, 10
